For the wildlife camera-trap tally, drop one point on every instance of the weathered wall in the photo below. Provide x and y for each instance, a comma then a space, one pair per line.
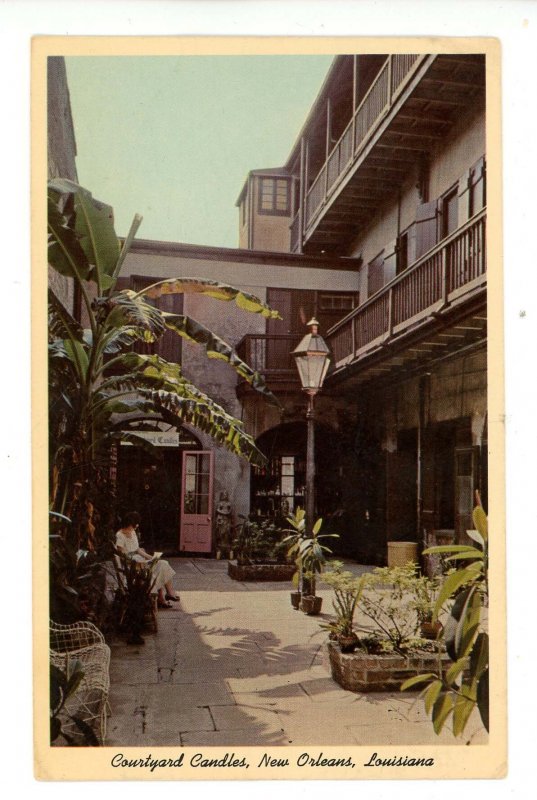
61, 148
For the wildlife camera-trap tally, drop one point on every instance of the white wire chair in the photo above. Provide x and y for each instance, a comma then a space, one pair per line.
83, 642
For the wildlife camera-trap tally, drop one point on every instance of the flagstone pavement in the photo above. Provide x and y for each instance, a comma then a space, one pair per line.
233, 664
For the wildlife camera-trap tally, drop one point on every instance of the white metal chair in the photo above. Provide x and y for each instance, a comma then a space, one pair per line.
83, 642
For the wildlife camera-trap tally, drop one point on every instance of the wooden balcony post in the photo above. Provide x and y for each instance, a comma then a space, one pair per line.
301, 195
354, 92
391, 312
445, 276
327, 144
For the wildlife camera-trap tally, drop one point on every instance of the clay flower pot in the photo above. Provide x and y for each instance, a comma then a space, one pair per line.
295, 600
430, 630
311, 604
347, 642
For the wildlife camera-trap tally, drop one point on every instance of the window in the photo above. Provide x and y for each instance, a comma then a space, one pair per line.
274, 196
336, 302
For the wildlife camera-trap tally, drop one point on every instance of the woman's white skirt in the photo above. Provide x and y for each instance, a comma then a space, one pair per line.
162, 573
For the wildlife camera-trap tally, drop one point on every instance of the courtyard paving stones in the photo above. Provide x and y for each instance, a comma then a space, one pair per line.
233, 664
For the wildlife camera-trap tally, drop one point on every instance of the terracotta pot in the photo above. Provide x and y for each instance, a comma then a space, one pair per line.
348, 642
295, 600
311, 604
430, 630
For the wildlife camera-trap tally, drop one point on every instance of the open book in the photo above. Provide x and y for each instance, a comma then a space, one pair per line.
156, 556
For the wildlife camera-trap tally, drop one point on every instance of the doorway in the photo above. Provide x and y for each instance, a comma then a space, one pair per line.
149, 482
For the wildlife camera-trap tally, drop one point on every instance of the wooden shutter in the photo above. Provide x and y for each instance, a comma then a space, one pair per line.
477, 186
375, 275
426, 228
464, 198
390, 261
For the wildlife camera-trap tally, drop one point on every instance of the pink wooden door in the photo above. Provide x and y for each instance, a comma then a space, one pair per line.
196, 501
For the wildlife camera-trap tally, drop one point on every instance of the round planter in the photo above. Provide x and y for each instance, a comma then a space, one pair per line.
400, 553
295, 600
311, 604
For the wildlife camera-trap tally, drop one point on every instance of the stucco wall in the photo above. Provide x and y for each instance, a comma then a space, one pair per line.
270, 232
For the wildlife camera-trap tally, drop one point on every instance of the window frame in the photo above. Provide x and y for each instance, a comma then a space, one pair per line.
274, 211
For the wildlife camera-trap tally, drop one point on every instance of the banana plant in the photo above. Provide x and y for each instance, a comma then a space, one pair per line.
465, 685
97, 384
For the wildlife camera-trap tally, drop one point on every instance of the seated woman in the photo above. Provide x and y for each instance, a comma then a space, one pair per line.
127, 543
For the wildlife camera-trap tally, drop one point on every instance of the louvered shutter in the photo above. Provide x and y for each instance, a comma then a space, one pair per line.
426, 227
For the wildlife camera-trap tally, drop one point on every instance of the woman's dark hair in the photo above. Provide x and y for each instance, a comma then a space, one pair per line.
132, 518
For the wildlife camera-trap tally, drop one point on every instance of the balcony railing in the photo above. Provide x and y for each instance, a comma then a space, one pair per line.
453, 268
270, 355
393, 76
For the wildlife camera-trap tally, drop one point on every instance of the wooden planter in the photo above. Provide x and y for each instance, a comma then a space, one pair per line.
260, 572
360, 672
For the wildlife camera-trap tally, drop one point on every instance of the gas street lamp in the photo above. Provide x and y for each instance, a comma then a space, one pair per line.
312, 361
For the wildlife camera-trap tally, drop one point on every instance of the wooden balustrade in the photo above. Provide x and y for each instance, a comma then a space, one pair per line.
443, 274
270, 354
391, 78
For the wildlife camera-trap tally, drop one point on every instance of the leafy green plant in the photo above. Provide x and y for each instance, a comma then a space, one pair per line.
307, 551
76, 579
388, 600
425, 593
62, 687
347, 592
258, 542
96, 383
465, 685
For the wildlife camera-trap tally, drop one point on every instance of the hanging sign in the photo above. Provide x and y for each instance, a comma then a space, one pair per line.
165, 438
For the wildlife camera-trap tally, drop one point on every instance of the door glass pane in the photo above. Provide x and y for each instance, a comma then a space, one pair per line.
197, 482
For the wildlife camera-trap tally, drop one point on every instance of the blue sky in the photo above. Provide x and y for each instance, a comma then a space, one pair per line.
173, 138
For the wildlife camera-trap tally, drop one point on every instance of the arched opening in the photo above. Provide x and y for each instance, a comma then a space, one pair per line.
279, 488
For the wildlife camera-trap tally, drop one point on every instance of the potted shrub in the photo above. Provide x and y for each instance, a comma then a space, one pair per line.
292, 541
310, 558
260, 553
425, 596
347, 590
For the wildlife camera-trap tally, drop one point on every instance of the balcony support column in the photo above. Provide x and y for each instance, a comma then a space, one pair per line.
327, 144
301, 195
354, 98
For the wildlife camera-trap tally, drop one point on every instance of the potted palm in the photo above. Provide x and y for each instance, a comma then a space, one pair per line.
311, 559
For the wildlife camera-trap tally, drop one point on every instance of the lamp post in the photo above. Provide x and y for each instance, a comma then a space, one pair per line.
312, 361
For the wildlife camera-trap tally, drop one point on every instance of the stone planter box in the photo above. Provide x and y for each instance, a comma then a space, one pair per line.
360, 672
260, 572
